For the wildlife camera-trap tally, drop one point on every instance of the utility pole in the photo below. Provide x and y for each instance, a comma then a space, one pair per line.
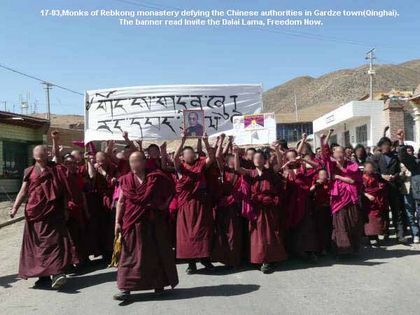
48, 87
296, 109
5, 105
370, 55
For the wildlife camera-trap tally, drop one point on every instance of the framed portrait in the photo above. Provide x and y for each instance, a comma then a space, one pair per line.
193, 123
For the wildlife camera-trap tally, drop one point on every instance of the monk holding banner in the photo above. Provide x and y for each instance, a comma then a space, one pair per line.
194, 227
147, 261
46, 243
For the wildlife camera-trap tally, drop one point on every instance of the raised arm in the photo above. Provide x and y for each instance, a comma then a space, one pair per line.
219, 150
199, 147
210, 152
91, 167
329, 134
55, 146
237, 161
301, 144
279, 156
109, 148
177, 161
128, 142
163, 156
228, 147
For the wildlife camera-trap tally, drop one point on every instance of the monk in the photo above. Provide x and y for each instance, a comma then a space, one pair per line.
346, 182
76, 206
375, 203
147, 261
78, 213
266, 243
320, 206
194, 227
46, 246
103, 176
302, 238
228, 220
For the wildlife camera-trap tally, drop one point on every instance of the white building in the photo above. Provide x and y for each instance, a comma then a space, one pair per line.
355, 122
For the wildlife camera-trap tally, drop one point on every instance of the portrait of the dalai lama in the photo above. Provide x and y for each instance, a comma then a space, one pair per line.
194, 123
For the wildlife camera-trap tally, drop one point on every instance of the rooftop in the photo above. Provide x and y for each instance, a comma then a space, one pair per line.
22, 120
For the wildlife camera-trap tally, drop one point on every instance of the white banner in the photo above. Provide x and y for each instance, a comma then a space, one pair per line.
259, 129
156, 112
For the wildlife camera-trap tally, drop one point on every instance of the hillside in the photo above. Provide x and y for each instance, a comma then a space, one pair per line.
332, 89
316, 96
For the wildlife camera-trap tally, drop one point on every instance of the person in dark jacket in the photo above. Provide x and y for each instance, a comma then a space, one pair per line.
388, 165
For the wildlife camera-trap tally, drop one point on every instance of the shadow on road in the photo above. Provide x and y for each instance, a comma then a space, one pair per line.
6, 281
74, 284
195, 292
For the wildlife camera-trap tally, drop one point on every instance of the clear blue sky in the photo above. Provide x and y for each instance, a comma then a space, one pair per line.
89, 53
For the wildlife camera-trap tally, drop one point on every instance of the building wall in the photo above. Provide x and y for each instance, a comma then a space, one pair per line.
28, 136
66, 137
350, 116
19, 133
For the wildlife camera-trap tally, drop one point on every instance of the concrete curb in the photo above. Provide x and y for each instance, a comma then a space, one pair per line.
11, 221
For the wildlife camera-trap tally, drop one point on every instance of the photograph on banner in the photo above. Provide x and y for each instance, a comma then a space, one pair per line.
156, 112
257, 129
193, 123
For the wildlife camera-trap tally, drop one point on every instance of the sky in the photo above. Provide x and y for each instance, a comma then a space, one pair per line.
92, 53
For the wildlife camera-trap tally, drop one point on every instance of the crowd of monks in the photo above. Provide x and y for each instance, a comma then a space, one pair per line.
211, 203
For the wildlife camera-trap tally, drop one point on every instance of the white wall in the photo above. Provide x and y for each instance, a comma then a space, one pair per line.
350, 116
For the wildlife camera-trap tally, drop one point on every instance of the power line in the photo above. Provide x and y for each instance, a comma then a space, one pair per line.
39, 79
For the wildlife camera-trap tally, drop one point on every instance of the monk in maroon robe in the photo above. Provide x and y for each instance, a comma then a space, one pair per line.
320, 204
227, 247
101, 204
194, 226
346, 184
46, 246
77, 211
266, 243
147, 260
301, 221
375, 203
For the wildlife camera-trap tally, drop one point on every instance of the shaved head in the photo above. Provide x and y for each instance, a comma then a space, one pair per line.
137, 162
40, 153
137, 155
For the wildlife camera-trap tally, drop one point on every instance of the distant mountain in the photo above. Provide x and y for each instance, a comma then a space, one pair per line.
314, 96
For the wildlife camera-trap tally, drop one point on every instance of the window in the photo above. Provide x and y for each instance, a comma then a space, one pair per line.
361, 134
333, 139
292, 132
15, 159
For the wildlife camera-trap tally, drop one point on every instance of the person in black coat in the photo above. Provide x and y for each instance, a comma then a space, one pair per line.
388, 165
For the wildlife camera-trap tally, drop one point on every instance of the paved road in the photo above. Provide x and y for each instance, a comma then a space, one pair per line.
382, 281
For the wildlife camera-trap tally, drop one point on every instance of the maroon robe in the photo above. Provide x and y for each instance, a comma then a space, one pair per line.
265, 232
147, 260
228, 221
100, 204
194, 226
347, 217
46, 245
376, 210
77, 220
300, 217
322, 212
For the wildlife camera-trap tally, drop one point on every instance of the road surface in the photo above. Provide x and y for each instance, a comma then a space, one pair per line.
381, 281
